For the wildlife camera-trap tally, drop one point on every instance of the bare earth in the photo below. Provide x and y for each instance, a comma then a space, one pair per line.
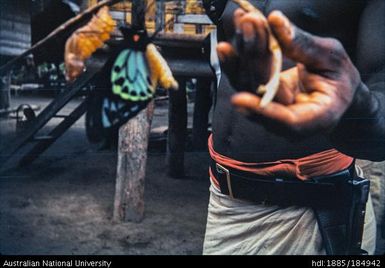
62, 203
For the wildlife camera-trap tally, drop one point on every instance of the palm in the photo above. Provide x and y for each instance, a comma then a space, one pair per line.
312, 96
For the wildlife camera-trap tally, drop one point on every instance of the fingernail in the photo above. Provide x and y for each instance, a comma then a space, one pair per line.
284, 25
279, 13
248, 32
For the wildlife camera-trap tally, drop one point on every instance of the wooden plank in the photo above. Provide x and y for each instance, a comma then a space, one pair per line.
198, 19
177, 130
190, 68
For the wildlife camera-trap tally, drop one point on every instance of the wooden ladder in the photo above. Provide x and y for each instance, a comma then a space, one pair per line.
42, 143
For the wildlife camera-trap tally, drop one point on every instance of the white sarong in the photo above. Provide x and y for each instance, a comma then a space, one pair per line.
238, 227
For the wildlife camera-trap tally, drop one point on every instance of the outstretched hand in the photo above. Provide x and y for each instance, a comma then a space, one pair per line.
312, 96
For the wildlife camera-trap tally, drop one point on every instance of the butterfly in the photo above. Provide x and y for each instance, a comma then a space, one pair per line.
126, 83
135, 75
131, 85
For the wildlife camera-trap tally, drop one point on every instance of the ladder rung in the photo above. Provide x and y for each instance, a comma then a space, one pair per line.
42, 138
60, 116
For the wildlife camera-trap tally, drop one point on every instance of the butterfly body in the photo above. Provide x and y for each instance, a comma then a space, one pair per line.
131, 85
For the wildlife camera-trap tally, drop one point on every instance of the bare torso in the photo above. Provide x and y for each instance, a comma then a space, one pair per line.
236, 136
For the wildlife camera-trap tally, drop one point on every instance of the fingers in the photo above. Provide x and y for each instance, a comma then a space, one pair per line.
248, 104
297, 118
238, 14
288, 87
316, 53
246, 58
251, 29
225, 51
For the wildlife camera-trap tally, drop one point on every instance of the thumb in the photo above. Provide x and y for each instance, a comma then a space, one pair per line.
313, 51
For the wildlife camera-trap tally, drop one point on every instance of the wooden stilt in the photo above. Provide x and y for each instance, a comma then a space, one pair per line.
177, 130
201, 112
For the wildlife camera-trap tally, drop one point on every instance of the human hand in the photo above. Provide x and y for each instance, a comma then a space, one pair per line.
312, 96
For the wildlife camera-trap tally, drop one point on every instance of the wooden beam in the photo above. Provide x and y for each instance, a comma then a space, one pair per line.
190, 68
199, 19
68, 25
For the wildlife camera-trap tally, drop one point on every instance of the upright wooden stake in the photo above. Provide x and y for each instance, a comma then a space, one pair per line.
177, 130
160, 19
131, 168
132, 151
201, 114
5, 83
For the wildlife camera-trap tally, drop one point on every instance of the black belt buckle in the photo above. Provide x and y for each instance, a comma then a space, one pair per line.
222, 170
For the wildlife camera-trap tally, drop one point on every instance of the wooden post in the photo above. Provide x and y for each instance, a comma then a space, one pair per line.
132, 151
131, 168
177, 130
179, 27
201, 114
5, 83
160, 20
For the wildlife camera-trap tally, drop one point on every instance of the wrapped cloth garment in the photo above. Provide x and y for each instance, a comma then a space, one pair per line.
238, 227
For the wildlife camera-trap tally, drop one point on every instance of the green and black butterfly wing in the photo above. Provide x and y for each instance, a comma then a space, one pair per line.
116, 112
130, 76
131, 88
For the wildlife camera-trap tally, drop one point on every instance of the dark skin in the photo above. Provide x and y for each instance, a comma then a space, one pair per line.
323, 102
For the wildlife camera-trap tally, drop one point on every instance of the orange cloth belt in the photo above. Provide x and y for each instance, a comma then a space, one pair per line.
319, 164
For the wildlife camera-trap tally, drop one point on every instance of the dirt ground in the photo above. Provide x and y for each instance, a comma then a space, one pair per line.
62, 203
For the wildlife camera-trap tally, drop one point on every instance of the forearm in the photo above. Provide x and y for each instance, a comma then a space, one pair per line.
361, 131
